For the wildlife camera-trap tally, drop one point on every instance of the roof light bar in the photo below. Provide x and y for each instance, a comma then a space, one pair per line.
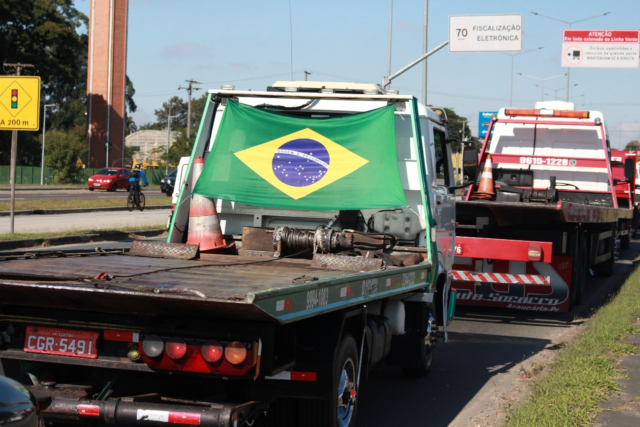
546, 113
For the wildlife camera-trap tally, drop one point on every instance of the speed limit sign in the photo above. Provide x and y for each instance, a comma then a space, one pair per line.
485, 33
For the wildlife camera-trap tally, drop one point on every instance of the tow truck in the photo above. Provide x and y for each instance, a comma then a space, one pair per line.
282, 325
550, 216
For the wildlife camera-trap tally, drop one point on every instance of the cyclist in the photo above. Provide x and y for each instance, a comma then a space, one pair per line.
134, 182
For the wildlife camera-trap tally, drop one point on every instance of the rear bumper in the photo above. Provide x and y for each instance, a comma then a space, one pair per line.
58, 405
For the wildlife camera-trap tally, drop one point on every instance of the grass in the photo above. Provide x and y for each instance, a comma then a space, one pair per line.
79, 203
23, 236
585, 371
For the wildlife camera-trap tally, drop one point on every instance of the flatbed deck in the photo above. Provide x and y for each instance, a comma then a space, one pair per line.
519, 213
215, 286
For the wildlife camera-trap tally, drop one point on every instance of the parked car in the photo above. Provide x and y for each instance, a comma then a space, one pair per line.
109, 179
168, 183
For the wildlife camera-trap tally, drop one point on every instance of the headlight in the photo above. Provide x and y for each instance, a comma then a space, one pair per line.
90, 179
162, 181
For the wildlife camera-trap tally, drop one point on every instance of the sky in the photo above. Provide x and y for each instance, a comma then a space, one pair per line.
254, 43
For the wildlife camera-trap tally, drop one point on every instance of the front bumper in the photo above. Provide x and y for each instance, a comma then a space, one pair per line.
69, 404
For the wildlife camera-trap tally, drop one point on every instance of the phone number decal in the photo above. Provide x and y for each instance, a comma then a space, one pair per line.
547, 161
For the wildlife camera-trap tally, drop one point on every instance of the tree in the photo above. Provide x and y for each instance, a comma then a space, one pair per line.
633, 145
455, 126
43, 33
62, 152
131, 107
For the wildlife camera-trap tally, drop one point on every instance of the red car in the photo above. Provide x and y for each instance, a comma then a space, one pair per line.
109, 179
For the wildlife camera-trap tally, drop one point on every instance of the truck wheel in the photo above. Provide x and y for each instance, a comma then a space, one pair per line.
345, 373
579, 271
424, 360
625, 240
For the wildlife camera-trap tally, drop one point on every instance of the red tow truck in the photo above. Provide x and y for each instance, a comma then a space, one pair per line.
625, 190
551, 216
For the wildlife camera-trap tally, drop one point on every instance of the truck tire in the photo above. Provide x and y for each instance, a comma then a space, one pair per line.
579, 271
340, 410
423, 361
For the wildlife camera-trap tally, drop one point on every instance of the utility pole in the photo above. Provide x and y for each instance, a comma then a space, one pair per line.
14, 151
424, 50
306, 73
189, 89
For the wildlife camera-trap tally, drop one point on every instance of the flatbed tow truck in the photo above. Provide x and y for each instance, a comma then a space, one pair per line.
277, 329
553, 216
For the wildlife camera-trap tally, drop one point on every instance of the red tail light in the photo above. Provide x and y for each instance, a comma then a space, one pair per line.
212, 351
176, 348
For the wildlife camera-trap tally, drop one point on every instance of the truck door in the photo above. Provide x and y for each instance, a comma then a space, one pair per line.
444, 207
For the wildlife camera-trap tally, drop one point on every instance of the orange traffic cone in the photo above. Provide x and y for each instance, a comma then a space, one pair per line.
204, 226
485, 189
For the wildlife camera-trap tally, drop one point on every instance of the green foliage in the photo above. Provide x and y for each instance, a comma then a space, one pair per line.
62, 152
586, 369
181, 147
43, 33
633, 145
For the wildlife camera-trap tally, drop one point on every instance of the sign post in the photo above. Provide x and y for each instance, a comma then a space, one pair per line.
485, 33
600, 48
19, 110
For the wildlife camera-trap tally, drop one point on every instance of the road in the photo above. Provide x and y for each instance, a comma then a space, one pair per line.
473, 374
85, 221
5, 196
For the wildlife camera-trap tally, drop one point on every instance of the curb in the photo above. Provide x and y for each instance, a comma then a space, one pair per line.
72, 211
6, 245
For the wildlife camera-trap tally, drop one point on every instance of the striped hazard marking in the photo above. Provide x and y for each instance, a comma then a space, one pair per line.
518, 279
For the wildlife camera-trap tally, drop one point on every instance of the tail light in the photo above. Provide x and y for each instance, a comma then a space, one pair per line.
212, 351
235, 358
153, 346
235, 353
534, 253
175, 348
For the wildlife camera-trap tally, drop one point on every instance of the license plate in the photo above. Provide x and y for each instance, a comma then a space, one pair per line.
96, 185
61, 342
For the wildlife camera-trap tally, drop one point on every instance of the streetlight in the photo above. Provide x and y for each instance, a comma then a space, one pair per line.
512, 55
44, 131
570, 24
166, 171
543, 80
555, 91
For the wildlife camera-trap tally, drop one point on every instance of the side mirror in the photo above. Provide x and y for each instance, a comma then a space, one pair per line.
470, 162
629, 168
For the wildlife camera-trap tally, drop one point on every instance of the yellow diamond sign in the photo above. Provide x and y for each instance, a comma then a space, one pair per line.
19, 103
300, 163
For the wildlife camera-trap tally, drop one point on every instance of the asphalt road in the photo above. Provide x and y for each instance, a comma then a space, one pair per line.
85, 221
5, 196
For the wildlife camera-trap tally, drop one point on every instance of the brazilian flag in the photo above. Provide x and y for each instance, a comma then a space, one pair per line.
277, 160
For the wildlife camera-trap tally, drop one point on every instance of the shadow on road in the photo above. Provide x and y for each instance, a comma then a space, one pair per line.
460, 369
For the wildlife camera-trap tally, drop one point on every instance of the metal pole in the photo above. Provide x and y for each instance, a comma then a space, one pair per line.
511, 89
424, 50
12, 172
44, 131
166, 163
390, 33
386, 81
568, 73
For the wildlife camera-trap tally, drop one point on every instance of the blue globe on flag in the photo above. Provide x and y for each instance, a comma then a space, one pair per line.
301, 162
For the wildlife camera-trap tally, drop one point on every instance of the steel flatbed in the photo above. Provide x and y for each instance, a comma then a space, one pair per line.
517, 213
280, 290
